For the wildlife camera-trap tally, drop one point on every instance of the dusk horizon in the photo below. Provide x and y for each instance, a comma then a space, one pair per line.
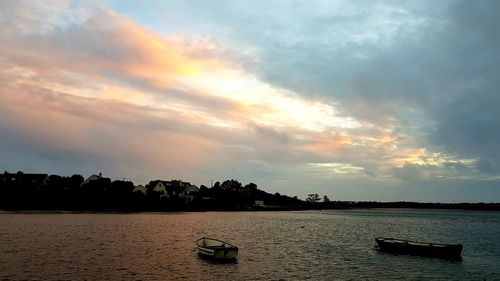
359, 101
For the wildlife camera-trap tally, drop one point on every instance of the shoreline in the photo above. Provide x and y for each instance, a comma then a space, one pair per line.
239, 210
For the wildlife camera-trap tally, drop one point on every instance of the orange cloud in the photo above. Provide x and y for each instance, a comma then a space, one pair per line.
326, 144
136, 53
112, 88
83, 129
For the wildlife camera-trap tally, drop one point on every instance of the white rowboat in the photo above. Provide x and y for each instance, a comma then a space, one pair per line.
217, 249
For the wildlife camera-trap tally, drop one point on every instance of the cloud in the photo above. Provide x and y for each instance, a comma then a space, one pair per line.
466, 118
111, 136
338, 168
24, 16
426, 71
379, 93
74, 95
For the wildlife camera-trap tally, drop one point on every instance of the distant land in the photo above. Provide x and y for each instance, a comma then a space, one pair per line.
42, 192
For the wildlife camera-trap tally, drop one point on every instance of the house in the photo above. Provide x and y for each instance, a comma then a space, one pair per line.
8, 177
38, 179
140, 188
174, 188
184, 190
258, 203
91, 178
159, 186
188, 192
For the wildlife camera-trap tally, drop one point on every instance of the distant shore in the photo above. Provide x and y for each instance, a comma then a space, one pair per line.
335, 205
53, 193
417, 205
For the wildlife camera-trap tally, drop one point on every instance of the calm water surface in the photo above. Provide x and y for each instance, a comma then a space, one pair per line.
321, 245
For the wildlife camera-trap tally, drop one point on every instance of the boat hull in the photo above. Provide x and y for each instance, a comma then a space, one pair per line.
216, 249
399, 246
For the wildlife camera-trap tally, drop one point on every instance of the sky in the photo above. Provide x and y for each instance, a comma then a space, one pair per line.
356, 100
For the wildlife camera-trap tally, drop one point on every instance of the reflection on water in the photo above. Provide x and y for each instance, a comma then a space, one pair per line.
328, 245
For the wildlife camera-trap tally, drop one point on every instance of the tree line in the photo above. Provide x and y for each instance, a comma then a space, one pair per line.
20, 191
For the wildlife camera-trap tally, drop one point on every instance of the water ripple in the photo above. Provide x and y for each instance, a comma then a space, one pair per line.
328, 245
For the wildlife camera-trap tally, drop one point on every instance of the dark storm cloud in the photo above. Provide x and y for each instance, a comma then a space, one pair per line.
431, 66
468, 119
350, 97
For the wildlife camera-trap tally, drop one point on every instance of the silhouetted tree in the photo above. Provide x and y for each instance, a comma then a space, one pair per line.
313, 198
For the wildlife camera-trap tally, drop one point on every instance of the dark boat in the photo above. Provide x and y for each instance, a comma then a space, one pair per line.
400, 246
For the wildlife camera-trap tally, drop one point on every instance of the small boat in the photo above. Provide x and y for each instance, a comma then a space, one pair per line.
216, 249
400, 246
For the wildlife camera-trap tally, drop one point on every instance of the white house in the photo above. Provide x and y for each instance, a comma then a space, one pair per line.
175, 188
92, 178
140, 188
160, 187
188, 192
258, 203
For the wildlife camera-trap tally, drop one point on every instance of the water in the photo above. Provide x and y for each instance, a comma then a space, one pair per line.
319, 245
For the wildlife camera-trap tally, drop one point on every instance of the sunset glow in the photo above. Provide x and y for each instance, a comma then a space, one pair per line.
95, 87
